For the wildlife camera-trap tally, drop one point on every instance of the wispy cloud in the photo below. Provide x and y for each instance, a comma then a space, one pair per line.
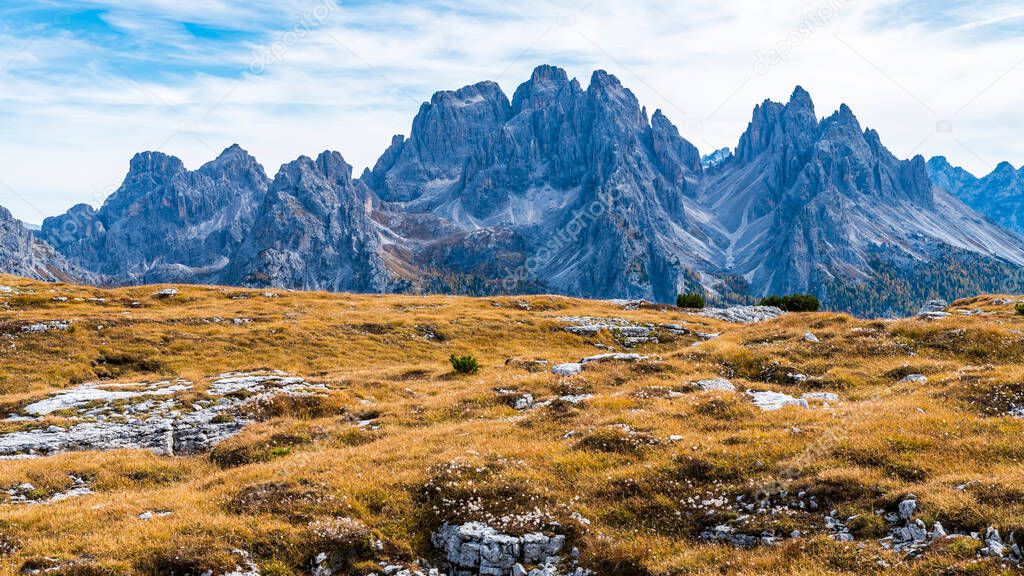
86, 84
961, 17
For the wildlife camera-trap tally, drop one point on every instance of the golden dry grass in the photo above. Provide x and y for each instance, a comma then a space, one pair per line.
306, 478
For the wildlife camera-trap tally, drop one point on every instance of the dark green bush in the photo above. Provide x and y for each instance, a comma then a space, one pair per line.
1020, 308
465, 364
691, 300
793, 302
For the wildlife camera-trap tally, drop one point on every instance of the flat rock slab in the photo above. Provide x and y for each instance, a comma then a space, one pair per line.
744, 314
771, 401
90, 393
717, 384
145, 416
612, 357
574, 368
570, 369
627, 332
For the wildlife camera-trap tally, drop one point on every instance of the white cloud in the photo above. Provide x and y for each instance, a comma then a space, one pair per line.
72, 116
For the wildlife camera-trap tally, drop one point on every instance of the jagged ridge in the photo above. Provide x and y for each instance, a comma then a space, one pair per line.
558, 189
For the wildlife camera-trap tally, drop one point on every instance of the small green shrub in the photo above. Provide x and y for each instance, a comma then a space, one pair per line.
691, 300
1020, 308
793, 302
239, 451
617, 441
868, 525
465, 364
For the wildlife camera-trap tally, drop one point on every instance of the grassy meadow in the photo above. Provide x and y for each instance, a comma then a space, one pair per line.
632, 475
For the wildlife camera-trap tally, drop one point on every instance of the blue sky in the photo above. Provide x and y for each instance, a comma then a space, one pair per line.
85, 84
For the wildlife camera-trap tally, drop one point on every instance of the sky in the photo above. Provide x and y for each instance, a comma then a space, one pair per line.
86, 84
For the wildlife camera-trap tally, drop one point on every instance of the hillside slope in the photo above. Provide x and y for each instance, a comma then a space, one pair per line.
328, 434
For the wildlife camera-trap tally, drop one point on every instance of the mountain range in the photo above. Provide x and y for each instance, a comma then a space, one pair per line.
999, 196
560, 189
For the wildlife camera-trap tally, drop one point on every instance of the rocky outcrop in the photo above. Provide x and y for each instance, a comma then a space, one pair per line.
144, 416
744, 314
476, 549
628, 333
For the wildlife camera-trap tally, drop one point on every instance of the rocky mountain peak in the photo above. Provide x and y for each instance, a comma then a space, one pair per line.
914, 178
801, 99
789, 128
601, 80
153, 179
319, 185
295, 171
939, 163
1004, 169
233, 154
312, 232
483, 101
155, 164
614, 113
950, 178
236, 165
546, 86
716, 158
164, 223
608, 92
842, 124
333, 167
998, 195
673, 151
561, 190
447, 131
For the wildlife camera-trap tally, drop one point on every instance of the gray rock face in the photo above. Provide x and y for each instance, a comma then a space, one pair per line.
806, 203
577, 191
22, 253
999, 196
313, 232
145, 416
934, 310
165, 223
476, 548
